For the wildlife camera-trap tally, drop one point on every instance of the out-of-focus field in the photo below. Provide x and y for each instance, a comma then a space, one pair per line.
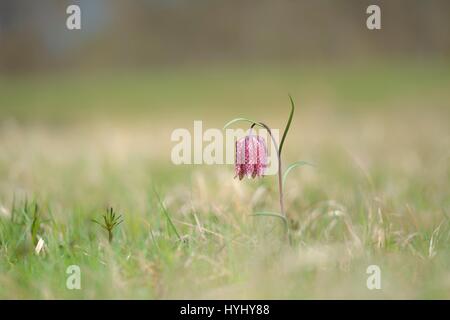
379, 194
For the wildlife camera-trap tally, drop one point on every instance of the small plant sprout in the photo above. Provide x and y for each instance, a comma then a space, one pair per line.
110, 222
251, 159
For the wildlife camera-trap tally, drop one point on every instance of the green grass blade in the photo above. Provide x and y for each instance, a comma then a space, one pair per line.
35, 225
288, 124
294, 165
271, 214
163, 208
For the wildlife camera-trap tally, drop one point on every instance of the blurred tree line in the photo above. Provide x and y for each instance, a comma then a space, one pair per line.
117, 33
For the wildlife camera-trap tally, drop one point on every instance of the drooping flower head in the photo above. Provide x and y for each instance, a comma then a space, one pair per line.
251, 157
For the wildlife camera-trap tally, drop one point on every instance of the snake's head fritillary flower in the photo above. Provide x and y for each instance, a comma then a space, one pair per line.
251, 157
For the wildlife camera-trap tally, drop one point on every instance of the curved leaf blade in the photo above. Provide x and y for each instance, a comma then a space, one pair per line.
294, 165
288, 124
271, 214
166, 214
241, 119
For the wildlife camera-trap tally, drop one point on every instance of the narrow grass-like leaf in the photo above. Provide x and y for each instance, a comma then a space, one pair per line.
163, 208
272, 214
35, 225
288, 124
292, 166
101, 225
13, 208
242, 119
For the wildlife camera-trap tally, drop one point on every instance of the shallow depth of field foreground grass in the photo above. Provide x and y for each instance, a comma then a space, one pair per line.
72, 146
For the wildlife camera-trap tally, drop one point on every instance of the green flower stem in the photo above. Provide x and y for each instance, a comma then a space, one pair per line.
280, 170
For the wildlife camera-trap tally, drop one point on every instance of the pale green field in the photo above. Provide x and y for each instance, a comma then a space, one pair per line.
380, 193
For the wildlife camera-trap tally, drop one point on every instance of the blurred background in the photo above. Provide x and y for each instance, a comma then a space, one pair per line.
155, 65
137, 70
149, 33
155, 54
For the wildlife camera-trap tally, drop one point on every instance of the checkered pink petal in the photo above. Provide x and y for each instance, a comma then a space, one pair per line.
251, 157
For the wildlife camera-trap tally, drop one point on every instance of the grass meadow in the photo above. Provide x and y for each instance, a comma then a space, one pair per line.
73, 145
